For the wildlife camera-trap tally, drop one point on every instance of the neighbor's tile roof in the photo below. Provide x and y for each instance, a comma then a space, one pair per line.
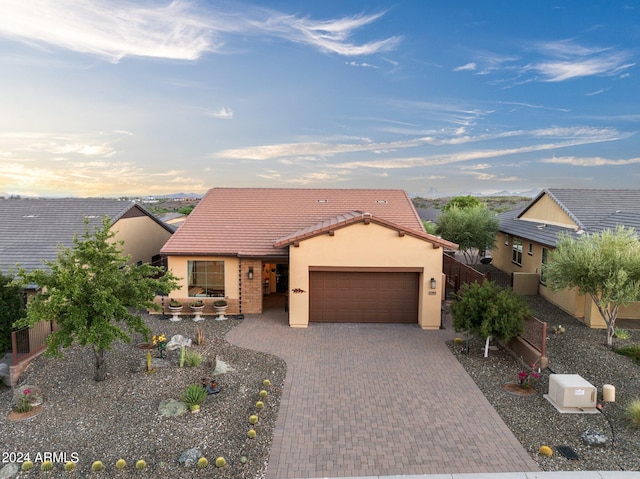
248, 221
31, 229
593, 210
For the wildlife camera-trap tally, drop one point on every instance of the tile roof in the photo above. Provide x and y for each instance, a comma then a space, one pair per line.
31, 229
354, 217
248, 221
592, 209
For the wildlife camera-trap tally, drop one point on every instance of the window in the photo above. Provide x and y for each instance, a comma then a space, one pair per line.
530, 252
516, 256
506, 240
206, 278
545, 256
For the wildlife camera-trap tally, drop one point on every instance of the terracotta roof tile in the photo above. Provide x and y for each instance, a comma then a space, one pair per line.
248, 221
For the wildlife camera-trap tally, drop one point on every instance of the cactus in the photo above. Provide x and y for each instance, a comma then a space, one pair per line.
259, 405
545, 451
253, 419
263, 393
243, 459
251, 433
97, 466
46, 466
203, 462
266, 383
141, 464
221, 461
121, 464
69, 466
27, 466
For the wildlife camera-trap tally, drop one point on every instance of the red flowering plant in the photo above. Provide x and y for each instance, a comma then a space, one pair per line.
24, 403
527, 379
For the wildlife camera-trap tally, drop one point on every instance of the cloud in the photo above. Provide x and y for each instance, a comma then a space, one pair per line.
467, 67
361, 65
593, 161
223, 113
552, 61
331, 36
574, 135
178, 30
110, 29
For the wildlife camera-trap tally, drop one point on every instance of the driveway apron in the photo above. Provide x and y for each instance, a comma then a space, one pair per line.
377, 399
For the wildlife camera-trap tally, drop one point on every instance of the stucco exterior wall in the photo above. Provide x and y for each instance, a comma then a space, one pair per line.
142, 237
545, 210
361, 245
178, 266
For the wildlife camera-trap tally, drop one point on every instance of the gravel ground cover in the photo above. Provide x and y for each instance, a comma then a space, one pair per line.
536, 422
118, 418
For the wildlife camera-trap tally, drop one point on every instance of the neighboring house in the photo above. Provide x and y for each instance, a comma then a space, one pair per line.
173, 219
33, 229
336, 255
527, 237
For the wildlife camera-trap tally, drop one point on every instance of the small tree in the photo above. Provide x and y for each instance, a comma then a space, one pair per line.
462, 202
91, 291
604, 265
488, 310
474, 229
11, 309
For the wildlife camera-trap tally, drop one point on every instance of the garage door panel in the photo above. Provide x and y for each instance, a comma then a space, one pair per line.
340, 296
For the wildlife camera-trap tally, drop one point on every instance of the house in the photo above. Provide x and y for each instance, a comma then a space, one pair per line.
335, 255
33, 229
527, 237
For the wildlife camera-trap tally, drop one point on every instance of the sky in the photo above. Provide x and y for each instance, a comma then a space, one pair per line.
152, 97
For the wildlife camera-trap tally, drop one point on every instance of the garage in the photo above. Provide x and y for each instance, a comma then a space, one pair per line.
364, 296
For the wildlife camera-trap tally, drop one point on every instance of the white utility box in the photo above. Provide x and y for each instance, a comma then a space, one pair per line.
570, 393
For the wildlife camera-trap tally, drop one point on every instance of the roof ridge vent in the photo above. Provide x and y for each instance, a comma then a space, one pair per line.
322, 201
30, 216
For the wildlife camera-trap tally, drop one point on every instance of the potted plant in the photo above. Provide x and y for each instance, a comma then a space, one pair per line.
175, 307
221, 307
197, 307
193, 396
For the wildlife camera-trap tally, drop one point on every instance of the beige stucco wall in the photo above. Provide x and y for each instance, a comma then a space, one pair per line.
142, 237
545, 210
361, 245
526, 283
178, 266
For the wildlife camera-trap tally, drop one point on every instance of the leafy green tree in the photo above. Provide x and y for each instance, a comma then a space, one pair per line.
604, 265
429, 226
462, 202
92, 291
473, 229
186, 210
489, 311
11, 309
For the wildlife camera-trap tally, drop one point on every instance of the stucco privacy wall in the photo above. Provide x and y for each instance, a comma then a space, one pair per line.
365, 245
142, 237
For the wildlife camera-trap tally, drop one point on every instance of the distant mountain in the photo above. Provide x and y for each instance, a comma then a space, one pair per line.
434, 193
176, 196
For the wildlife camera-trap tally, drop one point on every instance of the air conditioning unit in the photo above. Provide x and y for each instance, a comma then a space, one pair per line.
570, 393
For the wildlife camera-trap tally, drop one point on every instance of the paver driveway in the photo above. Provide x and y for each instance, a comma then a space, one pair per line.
377, 399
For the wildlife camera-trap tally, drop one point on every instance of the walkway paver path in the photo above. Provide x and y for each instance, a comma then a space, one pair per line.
377, 399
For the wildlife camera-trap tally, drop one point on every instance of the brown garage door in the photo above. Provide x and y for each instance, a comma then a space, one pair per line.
363, 297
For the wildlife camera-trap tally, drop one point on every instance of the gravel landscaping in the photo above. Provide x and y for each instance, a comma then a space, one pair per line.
536, 422
119, 418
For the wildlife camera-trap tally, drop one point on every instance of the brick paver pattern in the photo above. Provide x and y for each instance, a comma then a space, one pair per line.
377, 399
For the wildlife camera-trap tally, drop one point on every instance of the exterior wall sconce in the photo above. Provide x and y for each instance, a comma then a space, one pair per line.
250, 273
432, 283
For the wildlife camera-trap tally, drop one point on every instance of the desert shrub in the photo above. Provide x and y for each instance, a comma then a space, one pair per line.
489, 310
192, 359
632, 412
194, 395
631, 351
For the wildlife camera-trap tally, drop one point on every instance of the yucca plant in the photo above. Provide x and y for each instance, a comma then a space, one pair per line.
194, 395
